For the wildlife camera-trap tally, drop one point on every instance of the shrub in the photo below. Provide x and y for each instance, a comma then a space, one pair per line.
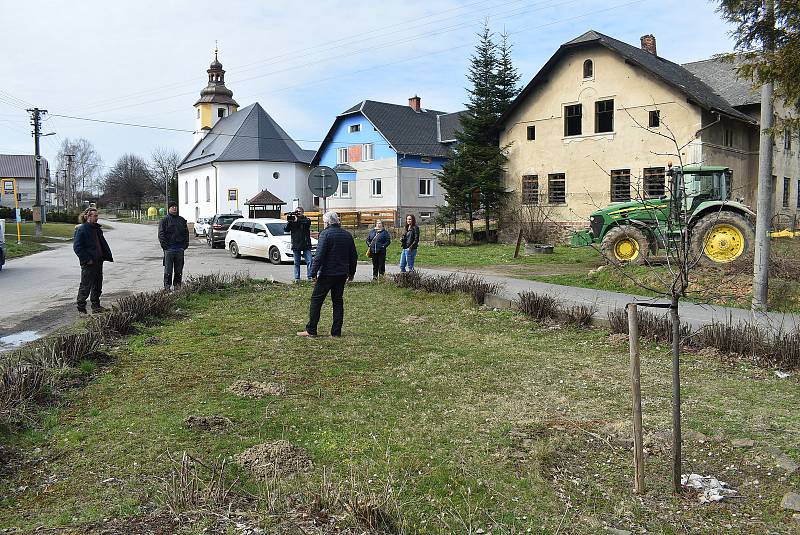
473, 285
657, 327
543, 307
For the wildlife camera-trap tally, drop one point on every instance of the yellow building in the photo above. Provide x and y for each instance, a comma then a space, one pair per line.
602, 119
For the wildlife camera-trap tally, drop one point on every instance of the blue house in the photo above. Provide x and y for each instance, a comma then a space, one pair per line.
386, 156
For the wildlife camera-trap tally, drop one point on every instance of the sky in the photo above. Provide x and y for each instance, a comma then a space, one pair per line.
144, 62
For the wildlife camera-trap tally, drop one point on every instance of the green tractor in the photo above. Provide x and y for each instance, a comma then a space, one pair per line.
720, 231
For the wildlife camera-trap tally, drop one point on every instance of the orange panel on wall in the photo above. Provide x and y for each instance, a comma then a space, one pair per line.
354, 153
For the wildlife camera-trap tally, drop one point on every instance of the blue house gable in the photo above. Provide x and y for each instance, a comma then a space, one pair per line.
387, 155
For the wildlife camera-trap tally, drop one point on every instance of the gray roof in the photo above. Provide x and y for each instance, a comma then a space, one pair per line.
21, 166
407, 131
668, 72
250, 134
449, 124
721, 76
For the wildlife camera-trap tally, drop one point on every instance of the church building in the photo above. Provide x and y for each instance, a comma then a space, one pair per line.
239, 155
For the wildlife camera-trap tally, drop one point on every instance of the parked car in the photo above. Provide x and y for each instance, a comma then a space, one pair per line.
201, 226
262, 237
218, 228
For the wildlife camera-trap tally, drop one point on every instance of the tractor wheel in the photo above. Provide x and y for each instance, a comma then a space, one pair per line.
722, 238
625, 244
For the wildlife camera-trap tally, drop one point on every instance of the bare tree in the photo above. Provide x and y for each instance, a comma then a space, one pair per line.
78, 165
129, 182
163, 171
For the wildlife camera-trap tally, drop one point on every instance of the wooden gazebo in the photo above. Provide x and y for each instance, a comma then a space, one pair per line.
264, 204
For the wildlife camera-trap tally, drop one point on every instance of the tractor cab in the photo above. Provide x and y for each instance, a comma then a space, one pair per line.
697, 185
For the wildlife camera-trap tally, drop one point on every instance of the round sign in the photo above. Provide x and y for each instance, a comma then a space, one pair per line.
322, 181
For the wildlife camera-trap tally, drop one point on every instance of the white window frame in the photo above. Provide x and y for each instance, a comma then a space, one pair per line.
425, 215
367, 152
344, 184
353, 128
429, 187
376, 182
341, 155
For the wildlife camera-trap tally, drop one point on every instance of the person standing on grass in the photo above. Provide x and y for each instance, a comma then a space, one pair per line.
173, 234
409, 241
334, 265
378, 241
92, 250
299, 226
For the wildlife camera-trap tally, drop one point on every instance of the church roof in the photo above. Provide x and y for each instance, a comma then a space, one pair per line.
249, 134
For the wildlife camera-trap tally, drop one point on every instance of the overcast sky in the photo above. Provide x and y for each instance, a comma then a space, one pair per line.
304, 61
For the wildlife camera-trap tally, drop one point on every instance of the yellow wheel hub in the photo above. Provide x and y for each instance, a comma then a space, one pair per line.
626, 249
724, 243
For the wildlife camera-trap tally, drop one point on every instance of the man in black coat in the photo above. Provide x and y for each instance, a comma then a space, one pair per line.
334, 265
299, 226
173, 234
92, 250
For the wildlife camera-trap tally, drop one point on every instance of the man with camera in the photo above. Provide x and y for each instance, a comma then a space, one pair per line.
299, 226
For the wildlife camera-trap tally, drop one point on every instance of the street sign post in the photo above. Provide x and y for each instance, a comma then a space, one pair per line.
323, 182
10, 188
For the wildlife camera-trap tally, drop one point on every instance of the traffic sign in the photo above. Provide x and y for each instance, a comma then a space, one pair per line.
323, 181
8, 187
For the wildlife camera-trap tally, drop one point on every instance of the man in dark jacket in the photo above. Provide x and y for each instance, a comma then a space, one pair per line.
92, 250
299, 226
173, 234
334, 265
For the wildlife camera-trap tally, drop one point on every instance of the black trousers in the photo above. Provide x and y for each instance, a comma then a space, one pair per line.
91, 284
173, 269
334, 285
378, 264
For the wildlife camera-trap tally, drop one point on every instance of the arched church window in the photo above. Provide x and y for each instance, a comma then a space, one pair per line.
196, 198
208, 189
186, 192
588, 69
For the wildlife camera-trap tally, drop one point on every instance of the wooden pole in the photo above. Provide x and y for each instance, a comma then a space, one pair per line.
636, 388
519, 242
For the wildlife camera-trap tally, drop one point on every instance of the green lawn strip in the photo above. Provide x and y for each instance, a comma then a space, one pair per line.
487, 255
15, 250
425, 390
49, 230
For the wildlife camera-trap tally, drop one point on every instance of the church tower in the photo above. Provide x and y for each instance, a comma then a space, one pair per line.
215, 102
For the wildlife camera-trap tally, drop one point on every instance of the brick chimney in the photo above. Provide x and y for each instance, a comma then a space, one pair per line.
415, 103
649, 43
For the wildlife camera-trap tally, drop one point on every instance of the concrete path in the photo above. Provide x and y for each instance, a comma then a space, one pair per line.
37, 292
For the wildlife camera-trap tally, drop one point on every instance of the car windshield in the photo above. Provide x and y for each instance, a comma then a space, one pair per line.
276, 229
226, 219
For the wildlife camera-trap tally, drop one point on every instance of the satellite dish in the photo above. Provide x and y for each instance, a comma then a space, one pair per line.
323, 181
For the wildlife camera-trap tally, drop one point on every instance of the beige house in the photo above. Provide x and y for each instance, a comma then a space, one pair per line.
600, 122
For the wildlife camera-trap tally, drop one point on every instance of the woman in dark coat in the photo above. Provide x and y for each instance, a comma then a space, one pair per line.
378, 241
409, 241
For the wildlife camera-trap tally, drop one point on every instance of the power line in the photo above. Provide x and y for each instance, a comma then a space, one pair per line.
293, 55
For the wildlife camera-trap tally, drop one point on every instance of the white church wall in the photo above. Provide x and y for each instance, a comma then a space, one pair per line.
204, 204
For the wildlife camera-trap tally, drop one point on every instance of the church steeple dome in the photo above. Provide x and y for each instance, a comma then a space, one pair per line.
216, 100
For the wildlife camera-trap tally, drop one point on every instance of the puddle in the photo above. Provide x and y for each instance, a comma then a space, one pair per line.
17, 339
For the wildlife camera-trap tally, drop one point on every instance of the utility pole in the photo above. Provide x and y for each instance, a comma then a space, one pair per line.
38, 212
68, 178
764, 200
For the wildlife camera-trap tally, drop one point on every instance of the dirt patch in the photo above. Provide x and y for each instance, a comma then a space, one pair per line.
411, 318
256, 390
618, 339
208, 423
274, 458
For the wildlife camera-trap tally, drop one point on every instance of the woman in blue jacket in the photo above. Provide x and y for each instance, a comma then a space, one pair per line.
378, 241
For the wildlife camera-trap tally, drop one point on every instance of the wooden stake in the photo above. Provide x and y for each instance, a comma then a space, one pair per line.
519, 242
636, 388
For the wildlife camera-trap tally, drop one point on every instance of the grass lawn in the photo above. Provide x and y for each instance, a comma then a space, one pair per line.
460, 418
485, 255
51, 233
23, 249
